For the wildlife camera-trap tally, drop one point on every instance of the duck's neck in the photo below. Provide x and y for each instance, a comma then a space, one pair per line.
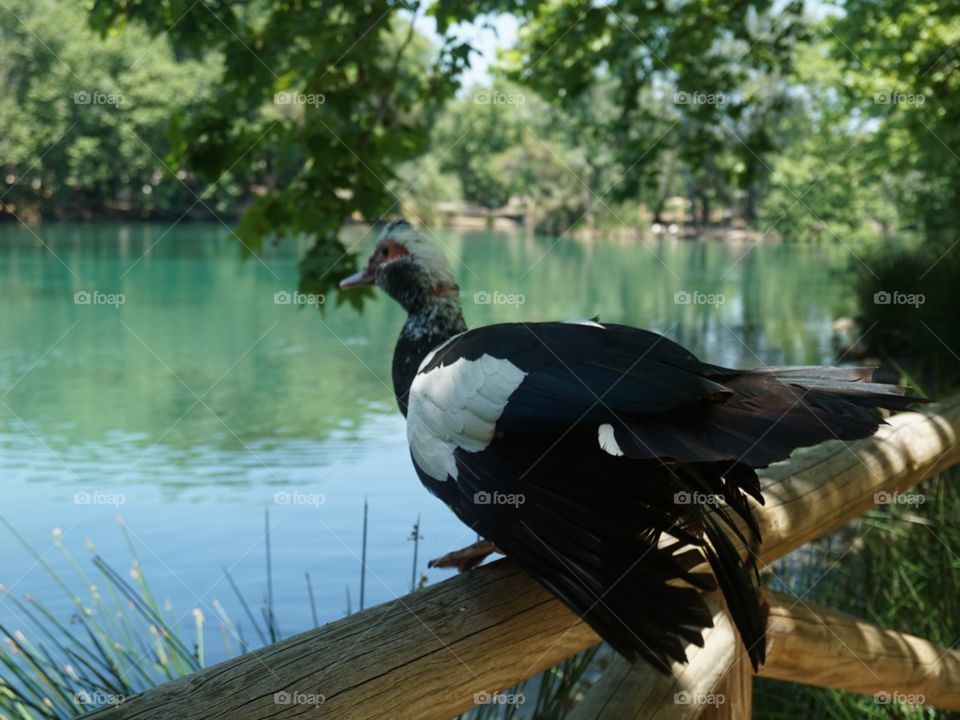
433, 323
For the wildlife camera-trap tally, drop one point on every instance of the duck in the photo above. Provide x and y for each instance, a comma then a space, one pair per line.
610, 463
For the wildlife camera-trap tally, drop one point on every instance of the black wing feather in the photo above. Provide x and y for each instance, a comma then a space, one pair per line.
607, 534
629, 561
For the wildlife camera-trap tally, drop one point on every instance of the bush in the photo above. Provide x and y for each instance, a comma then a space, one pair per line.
909, 299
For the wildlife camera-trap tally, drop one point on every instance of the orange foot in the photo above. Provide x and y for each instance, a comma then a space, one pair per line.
467, 558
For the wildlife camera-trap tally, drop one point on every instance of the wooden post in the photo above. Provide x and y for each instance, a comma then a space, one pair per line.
733, 697
637, 692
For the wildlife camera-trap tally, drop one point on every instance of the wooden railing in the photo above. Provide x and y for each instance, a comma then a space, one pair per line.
428, 655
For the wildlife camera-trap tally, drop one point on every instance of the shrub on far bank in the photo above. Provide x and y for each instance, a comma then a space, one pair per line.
909, 299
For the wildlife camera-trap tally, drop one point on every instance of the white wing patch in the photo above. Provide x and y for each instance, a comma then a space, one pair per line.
608, 441
457, 406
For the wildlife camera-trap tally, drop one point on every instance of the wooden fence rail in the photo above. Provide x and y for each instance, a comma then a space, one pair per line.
430, 654
806, 643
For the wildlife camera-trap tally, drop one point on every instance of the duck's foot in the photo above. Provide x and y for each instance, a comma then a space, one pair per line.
467, 558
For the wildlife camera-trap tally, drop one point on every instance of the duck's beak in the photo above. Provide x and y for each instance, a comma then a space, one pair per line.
360, 278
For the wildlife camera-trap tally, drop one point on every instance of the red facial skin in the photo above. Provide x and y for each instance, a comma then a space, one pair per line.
385, 252
393, 251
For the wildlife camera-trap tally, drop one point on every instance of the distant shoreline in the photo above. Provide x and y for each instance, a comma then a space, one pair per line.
473, 221
631, 233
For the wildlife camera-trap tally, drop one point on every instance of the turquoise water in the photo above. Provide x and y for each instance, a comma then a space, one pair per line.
183, 398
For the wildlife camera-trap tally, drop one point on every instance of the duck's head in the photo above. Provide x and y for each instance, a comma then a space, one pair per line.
408, 267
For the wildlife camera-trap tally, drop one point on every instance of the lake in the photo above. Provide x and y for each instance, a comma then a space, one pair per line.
149, 373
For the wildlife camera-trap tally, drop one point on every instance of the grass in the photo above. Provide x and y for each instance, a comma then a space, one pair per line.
118, 641
121, 640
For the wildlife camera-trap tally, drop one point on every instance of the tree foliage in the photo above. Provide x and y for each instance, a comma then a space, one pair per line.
685, 79
625, 89
87, 127
332, 96
903, 62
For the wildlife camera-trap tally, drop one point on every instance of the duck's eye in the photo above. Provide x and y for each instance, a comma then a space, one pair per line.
384, 252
